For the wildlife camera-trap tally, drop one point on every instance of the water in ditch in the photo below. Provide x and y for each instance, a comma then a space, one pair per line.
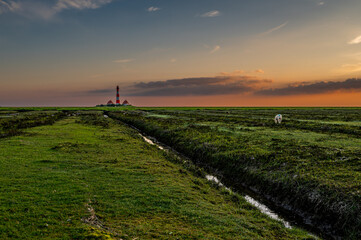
261, 206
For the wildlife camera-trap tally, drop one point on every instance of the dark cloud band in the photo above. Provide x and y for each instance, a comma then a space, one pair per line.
313, 88
227, 85
206, 86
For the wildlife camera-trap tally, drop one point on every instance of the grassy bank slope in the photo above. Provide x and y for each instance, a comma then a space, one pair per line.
12, 122
77, 181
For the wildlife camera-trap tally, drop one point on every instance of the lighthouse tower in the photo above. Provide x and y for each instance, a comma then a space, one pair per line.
118, 101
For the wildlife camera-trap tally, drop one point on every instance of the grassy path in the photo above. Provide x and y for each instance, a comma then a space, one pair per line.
75, 181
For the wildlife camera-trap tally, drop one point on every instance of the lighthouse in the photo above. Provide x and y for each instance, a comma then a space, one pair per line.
118, 101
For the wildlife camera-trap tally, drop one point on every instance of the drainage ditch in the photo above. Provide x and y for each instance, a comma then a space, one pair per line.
288, 219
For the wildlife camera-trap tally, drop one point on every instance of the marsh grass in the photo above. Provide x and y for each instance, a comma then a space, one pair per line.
310, 161
14, 121
76, 179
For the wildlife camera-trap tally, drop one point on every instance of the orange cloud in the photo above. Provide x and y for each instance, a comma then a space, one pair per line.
240, 72
350, 68
234, 73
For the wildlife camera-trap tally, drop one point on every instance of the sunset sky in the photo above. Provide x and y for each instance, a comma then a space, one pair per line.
180, 52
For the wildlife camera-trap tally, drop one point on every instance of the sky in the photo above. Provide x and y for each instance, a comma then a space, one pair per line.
180, 53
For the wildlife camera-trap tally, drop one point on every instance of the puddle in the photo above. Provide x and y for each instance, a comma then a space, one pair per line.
264, 209
216, 180
151, 142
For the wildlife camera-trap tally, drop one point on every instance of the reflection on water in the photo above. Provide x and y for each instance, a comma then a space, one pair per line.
151, 142
266, 210
263, 208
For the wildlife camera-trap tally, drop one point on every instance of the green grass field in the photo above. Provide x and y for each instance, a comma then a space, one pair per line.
311, 162
87, 177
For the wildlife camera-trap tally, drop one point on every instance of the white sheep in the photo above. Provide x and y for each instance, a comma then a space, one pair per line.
278, 118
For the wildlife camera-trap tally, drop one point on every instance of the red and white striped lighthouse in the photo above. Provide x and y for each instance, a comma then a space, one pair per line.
118, 101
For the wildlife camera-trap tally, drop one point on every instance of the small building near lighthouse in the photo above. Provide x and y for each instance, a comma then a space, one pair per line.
110, 103
126, 103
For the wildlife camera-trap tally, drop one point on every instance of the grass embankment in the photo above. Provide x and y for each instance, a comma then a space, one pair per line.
73, 180
12, 122
311, 161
